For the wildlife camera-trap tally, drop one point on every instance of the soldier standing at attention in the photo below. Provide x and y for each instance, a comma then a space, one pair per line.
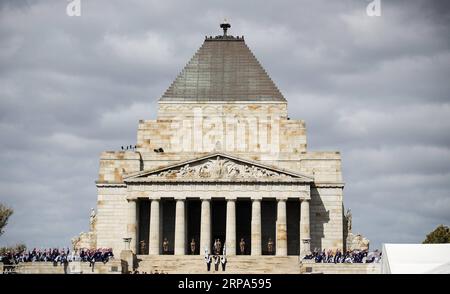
142, 246
223, 261
207, 260
270, 246
242, 246
193, 246
165, 246
216, 262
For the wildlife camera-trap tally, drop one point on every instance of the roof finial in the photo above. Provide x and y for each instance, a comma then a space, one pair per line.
225, 26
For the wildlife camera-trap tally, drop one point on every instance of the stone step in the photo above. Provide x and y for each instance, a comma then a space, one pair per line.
113, 266
235, 264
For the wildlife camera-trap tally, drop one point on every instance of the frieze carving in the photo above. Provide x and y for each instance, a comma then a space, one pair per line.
220, 168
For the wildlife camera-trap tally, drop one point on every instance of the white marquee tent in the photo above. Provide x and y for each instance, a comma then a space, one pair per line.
416, 259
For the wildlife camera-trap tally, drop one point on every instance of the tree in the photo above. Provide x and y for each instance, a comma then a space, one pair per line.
5, 213
18, 248
440, 235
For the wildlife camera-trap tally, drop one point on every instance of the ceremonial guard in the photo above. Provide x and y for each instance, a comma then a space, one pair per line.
207, 260
142, 246
223, 258
242, 246
216, 262
270, 246
223, 261
165, 246
193, 246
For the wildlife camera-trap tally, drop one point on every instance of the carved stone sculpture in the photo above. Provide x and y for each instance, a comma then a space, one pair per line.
357, 242
220, 168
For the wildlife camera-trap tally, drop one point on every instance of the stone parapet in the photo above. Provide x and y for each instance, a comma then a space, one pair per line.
111, 267
342, 268
114, 164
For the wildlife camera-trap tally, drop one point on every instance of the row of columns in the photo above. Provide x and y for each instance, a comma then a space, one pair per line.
205, 227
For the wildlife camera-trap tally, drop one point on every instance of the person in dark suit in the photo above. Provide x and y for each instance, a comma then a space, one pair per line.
216, 262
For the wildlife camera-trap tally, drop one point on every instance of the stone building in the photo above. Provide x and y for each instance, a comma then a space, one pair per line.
222, 160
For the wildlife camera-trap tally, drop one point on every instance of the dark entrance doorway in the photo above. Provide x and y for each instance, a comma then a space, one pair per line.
193, 214
218, 221
167, 222
268, 227
243, 225
144, 226
293, 226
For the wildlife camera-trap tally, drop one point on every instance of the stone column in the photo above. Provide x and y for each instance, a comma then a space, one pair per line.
180, 224
154, 240
132, 225
231, 227
256, 227
205, 226
281, 225
305, 237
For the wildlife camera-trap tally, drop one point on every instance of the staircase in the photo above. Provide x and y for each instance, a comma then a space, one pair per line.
195, 264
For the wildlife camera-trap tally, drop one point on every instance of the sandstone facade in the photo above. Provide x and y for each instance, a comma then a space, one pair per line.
221, 163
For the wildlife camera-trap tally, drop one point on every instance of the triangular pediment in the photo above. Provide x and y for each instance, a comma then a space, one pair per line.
218, 167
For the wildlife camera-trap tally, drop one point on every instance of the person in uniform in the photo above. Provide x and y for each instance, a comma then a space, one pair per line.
142, 246
165, 246
207, 260
223, 261
216, 262
242, 246
270, 246
193, 246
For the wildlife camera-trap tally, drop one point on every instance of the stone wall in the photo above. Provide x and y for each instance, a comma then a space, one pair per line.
111, 218
342, 268
111, 267
235, 127
265, 125
326, 218
114, 164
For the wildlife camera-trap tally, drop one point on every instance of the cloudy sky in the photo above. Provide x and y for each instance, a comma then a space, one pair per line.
375, 88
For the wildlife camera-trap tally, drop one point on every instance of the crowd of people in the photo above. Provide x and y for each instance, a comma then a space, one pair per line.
355, 256
56, 256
